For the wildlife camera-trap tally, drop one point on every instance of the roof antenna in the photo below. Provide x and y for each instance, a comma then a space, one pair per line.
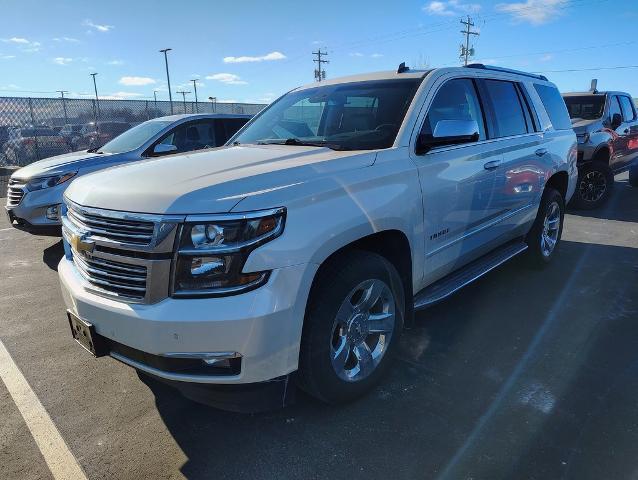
402, 68
594, 85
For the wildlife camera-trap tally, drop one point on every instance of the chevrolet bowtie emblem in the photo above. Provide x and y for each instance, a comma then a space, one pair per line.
81, 245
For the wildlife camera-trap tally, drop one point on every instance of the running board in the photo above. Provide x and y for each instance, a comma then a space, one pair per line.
453, 282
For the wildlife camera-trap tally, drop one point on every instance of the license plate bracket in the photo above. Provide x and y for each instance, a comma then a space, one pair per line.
84, 333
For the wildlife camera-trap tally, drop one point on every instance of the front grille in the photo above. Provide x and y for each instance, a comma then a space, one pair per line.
113, 228
15, 192
112, 277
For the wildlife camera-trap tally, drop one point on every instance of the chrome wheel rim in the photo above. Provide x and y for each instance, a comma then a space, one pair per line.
592, 186
362, 330
551, 227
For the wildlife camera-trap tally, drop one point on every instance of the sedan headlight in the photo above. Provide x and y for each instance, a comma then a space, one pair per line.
40, 183
213, 250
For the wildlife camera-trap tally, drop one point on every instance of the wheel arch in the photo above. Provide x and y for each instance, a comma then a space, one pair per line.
559, 181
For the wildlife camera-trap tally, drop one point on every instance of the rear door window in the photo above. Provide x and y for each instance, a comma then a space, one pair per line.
614, 107
507, 113
554, 106
628, 111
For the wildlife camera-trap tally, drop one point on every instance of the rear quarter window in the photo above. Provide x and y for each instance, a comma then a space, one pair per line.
554, 106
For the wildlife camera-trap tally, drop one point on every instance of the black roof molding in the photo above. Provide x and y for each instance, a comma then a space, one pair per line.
505, 70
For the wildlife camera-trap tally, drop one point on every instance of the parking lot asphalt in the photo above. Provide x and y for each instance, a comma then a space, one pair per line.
525, 374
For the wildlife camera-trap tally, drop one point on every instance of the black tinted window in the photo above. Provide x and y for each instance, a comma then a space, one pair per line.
614, 107
508, 116
554, 106
456, 100
587, 107
628, 112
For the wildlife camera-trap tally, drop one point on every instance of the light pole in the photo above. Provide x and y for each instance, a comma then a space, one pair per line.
155, 100
168, 78
62, 92
183, 97
97, 101
213, 103
195, 87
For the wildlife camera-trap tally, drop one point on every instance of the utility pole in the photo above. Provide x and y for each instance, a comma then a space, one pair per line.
97, 101
183, 97
62, 92
168, 78
195, 87
320, 73
466, 51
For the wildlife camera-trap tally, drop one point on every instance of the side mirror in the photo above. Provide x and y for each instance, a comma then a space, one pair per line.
449, 132
163, 148
616, 121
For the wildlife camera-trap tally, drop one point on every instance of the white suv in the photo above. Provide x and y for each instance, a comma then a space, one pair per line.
302, 249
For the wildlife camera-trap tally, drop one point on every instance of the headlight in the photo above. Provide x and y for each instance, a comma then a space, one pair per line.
213, 250
46, 182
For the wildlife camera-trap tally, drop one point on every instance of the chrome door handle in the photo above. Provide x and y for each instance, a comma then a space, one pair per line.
541, 151
492, 165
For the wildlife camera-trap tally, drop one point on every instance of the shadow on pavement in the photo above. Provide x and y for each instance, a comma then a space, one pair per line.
621, 206
52, 255
522, 374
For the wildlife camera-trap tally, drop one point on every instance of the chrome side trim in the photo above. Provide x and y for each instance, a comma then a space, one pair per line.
179, 377
234, 216
478, 230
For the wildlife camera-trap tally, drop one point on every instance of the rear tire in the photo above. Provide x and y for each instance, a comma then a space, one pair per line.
595, 183
353, 321
543, 239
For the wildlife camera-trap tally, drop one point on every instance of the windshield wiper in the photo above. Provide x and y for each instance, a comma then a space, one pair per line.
301, 143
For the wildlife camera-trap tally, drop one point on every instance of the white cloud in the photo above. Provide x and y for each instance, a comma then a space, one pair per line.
136, 81
547, 57
7, 57
66, 39
24, 44
535, 12
116, 63
377, 55
264, 58
62, 60
98, 27
11, 86
356, 54
450, 7
227, 78
360, 55
121, 95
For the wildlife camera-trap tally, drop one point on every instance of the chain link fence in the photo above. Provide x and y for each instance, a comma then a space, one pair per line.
35, 128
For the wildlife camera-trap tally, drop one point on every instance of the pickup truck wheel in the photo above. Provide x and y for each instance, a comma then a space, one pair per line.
353, 321
545, 234
595, 182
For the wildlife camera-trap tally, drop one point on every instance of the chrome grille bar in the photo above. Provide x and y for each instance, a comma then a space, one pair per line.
131, 286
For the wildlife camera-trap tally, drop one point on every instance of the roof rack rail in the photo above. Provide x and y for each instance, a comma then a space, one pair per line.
506, 70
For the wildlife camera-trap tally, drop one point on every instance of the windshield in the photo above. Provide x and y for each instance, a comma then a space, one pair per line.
587, 107
352, 116
134, 137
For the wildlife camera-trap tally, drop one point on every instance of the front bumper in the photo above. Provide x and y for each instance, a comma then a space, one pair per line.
263, 326
33, 206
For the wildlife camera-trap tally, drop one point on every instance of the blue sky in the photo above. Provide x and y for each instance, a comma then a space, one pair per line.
253, 51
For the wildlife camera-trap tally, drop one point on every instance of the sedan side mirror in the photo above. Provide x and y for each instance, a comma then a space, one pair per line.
449, 132
616, 121
164, 148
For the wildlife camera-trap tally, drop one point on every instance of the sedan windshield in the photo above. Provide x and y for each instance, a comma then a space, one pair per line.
587, 107
134, 137
351, 116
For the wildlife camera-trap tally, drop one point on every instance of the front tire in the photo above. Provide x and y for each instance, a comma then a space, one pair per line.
353, 322
544, 237
595, 182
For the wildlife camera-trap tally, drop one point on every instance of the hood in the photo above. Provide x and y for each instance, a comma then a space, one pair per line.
212, 181
64, 163
581, 125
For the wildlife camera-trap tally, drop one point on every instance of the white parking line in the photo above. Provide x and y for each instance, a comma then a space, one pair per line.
55, 451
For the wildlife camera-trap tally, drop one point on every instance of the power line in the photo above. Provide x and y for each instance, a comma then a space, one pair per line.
320, 73
466, 51
591, 69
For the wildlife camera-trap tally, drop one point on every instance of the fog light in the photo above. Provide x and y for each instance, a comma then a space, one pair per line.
53, 212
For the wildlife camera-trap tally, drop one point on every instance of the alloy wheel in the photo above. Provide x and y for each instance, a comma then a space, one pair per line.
551, 228
593, 186
362, 330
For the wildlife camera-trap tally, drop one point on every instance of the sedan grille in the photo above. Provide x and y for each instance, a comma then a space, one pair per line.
15, 192
113, 228
114, 278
